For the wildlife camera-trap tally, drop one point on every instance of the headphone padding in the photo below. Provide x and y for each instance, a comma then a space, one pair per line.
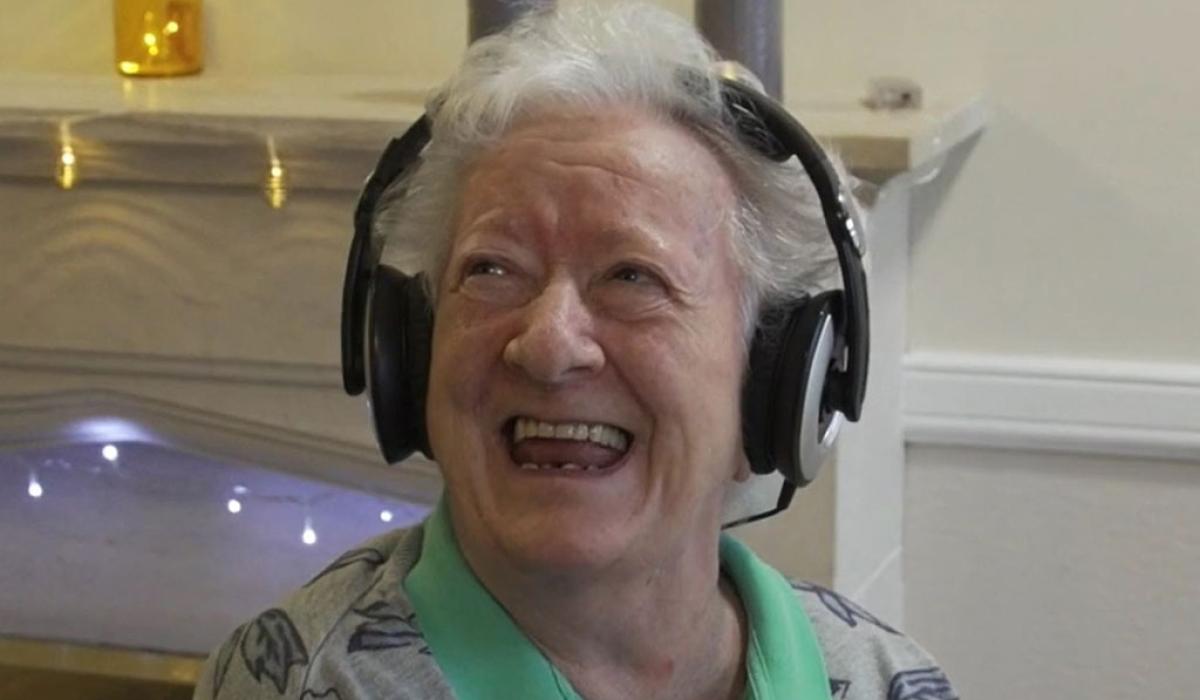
400, 334
758, 387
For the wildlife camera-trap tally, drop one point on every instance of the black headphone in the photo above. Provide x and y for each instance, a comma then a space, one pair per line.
807, 363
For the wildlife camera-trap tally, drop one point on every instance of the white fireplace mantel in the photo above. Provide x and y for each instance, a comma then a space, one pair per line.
328, 130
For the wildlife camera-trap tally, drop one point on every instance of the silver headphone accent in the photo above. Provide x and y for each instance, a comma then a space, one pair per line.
818, 435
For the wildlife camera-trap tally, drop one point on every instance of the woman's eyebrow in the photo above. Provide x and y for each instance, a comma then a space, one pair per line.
495, 226
655, 242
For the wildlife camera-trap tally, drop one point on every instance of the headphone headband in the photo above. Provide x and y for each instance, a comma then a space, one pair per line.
791, 138
400, 156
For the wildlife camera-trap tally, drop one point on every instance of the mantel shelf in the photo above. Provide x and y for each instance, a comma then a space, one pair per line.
327, 130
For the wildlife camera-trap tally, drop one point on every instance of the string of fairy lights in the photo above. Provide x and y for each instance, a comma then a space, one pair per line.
68, 167
67, 174
240, 497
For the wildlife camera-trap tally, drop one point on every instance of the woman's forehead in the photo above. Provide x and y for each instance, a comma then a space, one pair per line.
625, 137
605, 168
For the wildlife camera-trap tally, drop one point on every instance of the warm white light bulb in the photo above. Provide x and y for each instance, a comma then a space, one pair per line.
66, 170
385, 515
110, 452
309, 536
35, 489
275, 187
234, 506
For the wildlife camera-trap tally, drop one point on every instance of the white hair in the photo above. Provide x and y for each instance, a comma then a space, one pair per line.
597, 57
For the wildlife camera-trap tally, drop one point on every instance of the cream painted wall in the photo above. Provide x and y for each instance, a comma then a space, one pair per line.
1064, 233
1055, 576
415, 40
1068, 230
420, 41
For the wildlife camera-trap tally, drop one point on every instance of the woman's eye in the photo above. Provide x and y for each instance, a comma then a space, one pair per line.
634, 275
494, 281
485, 267
630, 290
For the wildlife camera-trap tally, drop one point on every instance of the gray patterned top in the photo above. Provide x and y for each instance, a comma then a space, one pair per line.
350, 634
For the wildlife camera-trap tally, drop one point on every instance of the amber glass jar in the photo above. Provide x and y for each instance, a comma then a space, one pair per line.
158, 37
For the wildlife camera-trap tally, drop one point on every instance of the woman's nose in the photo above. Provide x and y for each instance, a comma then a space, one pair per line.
556, 342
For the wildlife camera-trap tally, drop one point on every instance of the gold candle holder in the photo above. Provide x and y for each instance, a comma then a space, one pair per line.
158, 37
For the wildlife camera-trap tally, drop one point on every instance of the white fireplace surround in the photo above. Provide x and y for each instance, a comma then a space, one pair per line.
162, 292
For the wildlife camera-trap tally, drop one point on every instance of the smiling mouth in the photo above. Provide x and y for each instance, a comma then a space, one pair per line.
565, 446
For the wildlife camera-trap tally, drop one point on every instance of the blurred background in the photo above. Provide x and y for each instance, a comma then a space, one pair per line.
176, 451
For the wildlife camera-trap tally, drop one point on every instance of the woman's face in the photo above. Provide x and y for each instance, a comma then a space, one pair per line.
587, 357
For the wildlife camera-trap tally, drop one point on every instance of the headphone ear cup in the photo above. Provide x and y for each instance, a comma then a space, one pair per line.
787, 426
400, 332
758, 389
806, 428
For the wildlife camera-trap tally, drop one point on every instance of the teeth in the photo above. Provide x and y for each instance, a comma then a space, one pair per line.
567, 467
599, 433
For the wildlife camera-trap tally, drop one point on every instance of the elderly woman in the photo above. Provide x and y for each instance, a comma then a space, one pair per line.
597, 244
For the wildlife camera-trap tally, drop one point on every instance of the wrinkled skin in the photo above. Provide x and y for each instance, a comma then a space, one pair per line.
590, 279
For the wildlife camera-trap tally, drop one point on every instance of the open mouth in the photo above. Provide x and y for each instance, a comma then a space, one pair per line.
565, 446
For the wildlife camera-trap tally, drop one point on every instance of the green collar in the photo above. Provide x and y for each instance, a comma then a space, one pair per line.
783, 659
484, 654
475, 642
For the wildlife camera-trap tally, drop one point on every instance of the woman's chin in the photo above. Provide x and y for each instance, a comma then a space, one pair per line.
561, 546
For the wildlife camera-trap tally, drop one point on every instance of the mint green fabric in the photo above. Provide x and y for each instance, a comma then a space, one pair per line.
484, 654
473, 640
783, 659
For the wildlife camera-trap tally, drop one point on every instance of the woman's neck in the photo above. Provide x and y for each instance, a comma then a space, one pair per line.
676, 630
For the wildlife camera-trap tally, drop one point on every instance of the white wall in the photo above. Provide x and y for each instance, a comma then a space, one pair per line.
1064, 233
1055, 576
1067, 234
415, 41
1067, 231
